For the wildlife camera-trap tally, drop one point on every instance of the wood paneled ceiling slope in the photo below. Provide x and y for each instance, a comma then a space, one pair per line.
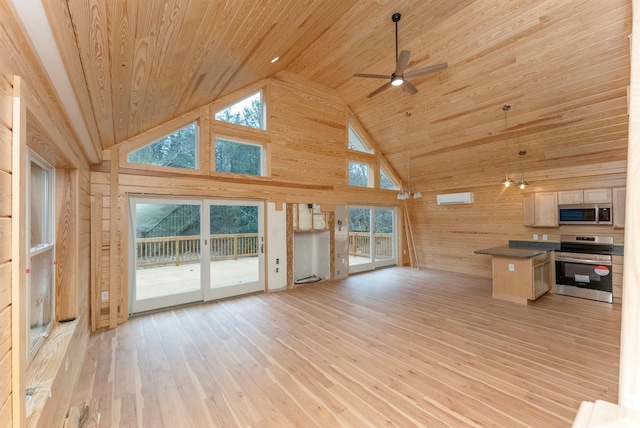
563, 66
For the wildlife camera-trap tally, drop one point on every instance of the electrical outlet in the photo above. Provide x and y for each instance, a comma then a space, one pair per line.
545, 237
105, 295
277, 270
511, 267
535, 236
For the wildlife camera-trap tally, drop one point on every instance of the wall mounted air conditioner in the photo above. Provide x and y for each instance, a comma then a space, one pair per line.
455, 198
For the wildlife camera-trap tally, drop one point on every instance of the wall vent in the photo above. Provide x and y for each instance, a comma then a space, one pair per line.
455, 198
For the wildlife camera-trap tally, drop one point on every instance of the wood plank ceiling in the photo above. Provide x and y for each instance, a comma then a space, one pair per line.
562, 66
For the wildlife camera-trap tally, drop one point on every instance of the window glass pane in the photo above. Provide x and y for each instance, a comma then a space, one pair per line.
246, 112
176, 150
40, 293
38, 205
238, 158
359, 236
383, 234
386, 182
356, 143
40, 252
167, 248
358, 174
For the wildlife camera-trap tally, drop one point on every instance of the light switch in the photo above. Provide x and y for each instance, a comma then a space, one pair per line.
511, 267
105, 295
535, 236
545, 237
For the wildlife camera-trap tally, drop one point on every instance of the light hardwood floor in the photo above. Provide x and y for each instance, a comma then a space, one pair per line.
395, 347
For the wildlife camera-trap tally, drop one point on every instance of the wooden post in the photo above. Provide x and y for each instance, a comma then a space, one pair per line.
176, 246
629, 379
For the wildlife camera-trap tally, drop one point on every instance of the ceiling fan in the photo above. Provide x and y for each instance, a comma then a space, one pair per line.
399, 76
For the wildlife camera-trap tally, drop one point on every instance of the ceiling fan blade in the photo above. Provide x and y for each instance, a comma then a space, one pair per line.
426, 70
373, 76
380, 89
403, 60
409, 88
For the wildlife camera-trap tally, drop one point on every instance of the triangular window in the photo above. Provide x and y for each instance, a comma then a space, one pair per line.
356, 143
177, 150
246, 112
386, 182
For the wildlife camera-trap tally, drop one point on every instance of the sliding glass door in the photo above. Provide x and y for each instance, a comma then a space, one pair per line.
190, 250
166, 256
372, 238
235, 248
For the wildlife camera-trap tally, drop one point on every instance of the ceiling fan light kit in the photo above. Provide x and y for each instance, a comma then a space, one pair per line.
399, 77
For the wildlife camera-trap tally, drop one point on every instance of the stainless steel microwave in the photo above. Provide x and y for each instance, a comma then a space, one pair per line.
585, 214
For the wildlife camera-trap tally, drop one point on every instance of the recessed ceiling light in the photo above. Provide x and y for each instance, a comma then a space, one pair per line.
275, 59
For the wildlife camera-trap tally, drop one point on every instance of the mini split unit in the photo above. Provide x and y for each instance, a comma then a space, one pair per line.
455, 198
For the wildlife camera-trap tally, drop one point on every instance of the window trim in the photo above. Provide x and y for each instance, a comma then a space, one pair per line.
263, 155
49, 211
263, 111
352, 128
391, 177
197, 150
370, 176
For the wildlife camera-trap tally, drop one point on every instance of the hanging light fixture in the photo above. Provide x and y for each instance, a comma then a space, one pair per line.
406, 194
507, 181
522, 183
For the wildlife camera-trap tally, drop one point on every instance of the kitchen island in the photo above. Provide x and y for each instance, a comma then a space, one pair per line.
520, 275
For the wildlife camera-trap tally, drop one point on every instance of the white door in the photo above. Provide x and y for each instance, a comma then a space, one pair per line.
234, 247
190, 250
165, 245
372, 238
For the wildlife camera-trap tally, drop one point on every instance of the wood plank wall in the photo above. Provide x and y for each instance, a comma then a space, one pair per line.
6, 119
306, 141
45, 128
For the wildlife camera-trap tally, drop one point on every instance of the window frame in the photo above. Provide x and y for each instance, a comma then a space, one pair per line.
50, 246
367, 147
370, 176
263, 111
197, 149
391, 177
263, 155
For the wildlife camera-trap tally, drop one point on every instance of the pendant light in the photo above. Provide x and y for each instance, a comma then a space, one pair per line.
507, 181
522, 183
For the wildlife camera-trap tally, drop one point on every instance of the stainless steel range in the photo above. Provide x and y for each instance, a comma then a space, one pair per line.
583, 267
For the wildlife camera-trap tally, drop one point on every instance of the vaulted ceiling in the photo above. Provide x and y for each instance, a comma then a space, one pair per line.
563, 66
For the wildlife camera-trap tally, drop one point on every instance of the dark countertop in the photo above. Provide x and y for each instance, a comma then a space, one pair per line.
507, 251
528, 249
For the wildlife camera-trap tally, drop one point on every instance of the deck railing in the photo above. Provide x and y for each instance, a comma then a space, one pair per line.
174, 250
168, 250
382, 245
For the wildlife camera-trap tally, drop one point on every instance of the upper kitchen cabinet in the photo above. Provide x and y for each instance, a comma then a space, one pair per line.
540, 209
619, 205
590, 196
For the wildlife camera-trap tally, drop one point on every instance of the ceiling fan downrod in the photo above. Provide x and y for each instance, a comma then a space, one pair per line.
395, 18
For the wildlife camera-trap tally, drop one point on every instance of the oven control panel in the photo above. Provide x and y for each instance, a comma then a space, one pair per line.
604, 259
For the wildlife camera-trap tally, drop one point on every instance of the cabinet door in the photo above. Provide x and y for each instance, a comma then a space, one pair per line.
593, 196
619, 204
529, 210
570, 197
546, 209
541, 278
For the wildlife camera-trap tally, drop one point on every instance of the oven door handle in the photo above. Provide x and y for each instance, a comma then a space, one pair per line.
584, 261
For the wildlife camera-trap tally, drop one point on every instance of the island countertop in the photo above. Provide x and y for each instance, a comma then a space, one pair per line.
506, 251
